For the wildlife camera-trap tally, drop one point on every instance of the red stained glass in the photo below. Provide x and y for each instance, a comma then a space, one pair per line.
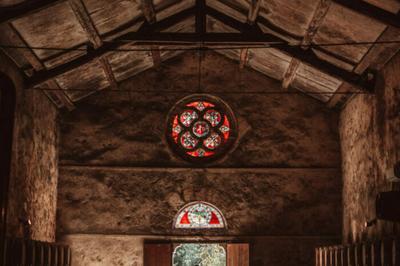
200, 153
187, 117
185, 219
214, 219
201, 128
188, 141
225, 128
213, 141
199, 215
176, 129
212, 116
200, 105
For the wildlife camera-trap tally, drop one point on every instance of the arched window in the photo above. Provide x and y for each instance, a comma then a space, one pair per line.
199, 215
201, 128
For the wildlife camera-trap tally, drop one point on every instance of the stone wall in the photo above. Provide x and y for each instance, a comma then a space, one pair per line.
145, 201
370, 139
126, 128
283, 179
33, 183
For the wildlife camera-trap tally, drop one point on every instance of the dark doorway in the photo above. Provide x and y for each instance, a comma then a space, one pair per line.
7, 105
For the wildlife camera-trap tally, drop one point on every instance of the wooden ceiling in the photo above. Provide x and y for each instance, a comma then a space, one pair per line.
98, 40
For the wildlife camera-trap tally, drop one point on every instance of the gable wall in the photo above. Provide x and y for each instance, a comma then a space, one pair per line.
118, 177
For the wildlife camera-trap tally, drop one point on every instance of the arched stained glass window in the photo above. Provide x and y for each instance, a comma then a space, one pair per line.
199, 215
201, 128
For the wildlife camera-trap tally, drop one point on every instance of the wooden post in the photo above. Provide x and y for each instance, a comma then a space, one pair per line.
336, 256
157, 254
366, 254
321, 256
68, 258
386, 253
358, 259
238, 254
396, 247
350, 255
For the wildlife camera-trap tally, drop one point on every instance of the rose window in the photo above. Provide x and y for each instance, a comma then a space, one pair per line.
201, 128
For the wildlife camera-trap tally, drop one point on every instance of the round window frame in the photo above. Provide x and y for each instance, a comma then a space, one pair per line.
219, 105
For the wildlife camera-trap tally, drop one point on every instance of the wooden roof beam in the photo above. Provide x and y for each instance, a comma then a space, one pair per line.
371, 11
59, 98
306, 56
254, 9
93, 54
148, 11
84, 19
290, 73
251, 18
318, 17
244, 57
8, 14
201, 23
94, 38
249, 35
150, 15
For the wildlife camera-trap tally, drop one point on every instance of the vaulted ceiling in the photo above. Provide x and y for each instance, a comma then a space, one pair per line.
96, 44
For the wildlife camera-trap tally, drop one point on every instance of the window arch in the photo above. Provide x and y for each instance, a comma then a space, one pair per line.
199, 215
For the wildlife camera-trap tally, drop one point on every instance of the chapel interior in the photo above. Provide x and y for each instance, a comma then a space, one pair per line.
200, 132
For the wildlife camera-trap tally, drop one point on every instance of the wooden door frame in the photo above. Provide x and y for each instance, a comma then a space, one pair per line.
7, 113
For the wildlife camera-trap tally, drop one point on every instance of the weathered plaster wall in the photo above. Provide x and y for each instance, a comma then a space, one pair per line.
117, 175
113, 250
145, 201
127, 129
33, 183
370, 137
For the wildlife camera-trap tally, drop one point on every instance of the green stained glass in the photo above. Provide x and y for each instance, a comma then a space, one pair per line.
199, 255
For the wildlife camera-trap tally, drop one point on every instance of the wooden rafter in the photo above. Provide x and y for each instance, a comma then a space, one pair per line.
378, 55
371, 11
201, 23
150, 15
253, 11
8, 14
57, 96
86, 22
150, 35
94, 38
252, 15
244, 57
290, 73
148, 11
318, 17
108, 72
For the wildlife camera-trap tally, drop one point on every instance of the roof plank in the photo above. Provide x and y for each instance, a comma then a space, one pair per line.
56, 95
371, 11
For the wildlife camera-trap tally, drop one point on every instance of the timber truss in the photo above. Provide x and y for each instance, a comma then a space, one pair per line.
248, 34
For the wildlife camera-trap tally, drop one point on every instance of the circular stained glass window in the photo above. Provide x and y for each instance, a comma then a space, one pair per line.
201, 128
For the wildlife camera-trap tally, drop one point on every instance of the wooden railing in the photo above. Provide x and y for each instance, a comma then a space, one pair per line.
21, 252
379, 253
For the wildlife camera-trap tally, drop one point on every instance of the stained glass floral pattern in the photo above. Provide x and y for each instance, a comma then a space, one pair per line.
199, 255
199, 215
201, 128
